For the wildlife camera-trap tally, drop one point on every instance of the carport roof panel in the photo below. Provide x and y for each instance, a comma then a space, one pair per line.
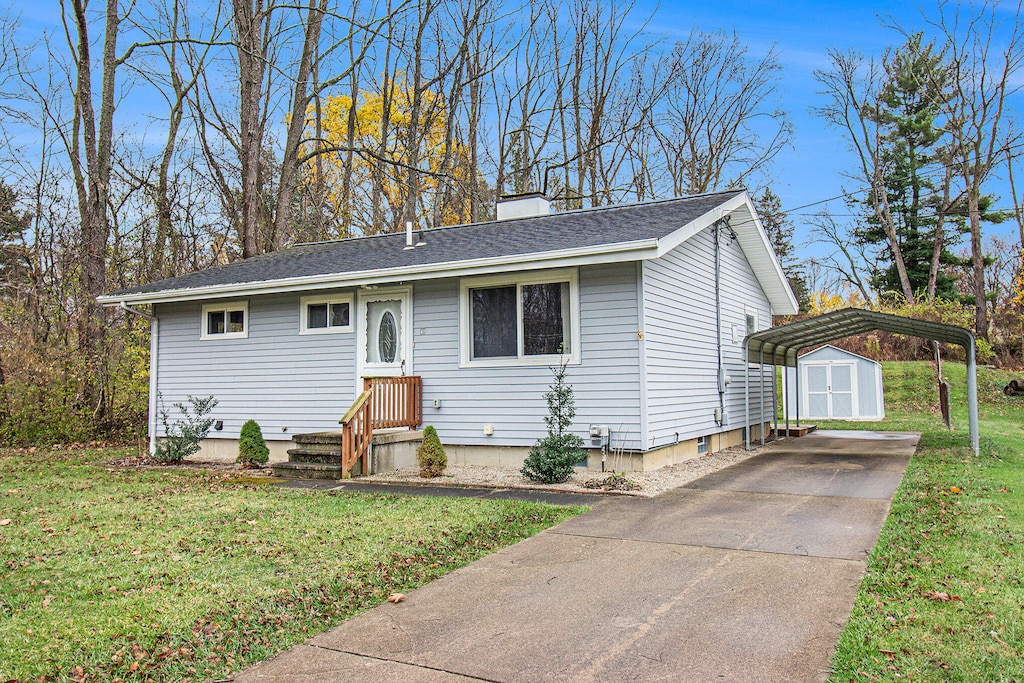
781, 344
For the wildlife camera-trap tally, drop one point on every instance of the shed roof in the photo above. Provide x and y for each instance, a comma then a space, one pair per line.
780, 345
807, 355
597, 235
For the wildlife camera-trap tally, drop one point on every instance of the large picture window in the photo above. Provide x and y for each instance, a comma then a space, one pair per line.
226, 320
530, 320
326, 314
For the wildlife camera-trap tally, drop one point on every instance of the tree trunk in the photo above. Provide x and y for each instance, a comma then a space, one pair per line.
300, 100
248, 19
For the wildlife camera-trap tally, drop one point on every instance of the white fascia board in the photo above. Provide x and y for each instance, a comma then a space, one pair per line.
677, 237
610, 253
788, 305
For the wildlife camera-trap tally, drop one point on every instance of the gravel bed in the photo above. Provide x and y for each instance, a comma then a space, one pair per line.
650, 483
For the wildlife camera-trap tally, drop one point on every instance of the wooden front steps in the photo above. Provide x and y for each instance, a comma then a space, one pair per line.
385, 403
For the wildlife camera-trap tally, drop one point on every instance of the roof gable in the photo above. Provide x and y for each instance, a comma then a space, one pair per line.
811, 354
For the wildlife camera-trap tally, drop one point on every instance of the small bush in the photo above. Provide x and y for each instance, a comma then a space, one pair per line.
431, 455
252, 448
551, 460
181, 438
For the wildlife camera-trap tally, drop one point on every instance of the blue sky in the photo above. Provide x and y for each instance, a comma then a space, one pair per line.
803, 31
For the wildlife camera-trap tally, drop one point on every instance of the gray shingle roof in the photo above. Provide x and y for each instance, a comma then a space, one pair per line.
508, 238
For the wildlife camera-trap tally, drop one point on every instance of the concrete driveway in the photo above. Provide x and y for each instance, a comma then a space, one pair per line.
746, 574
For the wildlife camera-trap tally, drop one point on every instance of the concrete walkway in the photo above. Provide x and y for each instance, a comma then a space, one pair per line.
747, 574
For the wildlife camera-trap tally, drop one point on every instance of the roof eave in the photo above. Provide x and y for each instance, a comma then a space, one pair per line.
608, 253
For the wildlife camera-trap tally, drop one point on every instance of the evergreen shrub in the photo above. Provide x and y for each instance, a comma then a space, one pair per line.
430, 455
252, 448
551, 460
182, 437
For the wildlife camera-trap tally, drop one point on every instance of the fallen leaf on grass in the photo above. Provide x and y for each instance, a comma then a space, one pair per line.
4, 522
396, 597
942, 597
954, 489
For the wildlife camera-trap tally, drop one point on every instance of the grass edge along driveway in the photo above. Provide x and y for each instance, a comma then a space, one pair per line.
943, 593
109, 574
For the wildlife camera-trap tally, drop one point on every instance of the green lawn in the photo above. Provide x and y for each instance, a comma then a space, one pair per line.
169, 575
942, 598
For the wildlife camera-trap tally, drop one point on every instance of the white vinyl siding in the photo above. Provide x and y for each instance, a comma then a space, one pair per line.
680, 346
606, 382
275, 376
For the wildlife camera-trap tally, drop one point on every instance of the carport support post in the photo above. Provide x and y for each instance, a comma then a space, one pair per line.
796, 371
760, 386
972, 397
786, 391
775, 402
746, 396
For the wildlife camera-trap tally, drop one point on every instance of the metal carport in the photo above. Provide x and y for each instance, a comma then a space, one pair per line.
781, 346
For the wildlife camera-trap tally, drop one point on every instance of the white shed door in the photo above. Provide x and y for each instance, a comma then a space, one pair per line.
829, 391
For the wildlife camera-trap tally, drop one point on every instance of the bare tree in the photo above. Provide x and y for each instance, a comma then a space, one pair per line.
986, 60
853, 86
847, 260
719, 123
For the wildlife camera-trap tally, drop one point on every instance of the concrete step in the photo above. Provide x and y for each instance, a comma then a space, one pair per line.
314, 439
311, 470
314, 455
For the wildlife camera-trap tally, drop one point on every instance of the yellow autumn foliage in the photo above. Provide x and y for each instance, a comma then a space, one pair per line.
390, 163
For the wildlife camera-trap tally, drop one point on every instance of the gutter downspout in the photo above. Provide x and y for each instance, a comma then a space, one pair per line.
718, 317
154, 347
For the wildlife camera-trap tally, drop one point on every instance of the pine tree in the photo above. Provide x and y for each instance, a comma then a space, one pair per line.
913, 153
780, 233
551, 460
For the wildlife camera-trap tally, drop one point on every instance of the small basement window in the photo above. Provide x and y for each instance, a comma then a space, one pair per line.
702, 444
225, 321
325, 314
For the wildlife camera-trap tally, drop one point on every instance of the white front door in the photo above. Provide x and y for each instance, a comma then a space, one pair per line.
829, 391
385, 339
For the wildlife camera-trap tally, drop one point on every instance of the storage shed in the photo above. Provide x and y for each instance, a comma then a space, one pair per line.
835, 384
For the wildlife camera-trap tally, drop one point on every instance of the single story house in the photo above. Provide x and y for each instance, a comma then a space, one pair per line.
835, 384
648, 305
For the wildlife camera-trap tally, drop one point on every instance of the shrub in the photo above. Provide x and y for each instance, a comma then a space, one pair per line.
551, 460
181, 438
431, 455
252, 448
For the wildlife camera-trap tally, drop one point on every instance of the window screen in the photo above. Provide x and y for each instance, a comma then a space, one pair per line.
545, 317
323, 315
494, 322
215, 322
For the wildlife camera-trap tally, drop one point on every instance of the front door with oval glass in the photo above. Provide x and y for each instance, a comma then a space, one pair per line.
385, 345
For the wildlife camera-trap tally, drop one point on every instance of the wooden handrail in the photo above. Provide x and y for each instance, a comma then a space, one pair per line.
386, 402
363, 398
397, 401
356, 434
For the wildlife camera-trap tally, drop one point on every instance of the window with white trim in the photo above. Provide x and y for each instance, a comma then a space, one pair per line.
225, 320
702, 444
751, 316
325, 314
531, 319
